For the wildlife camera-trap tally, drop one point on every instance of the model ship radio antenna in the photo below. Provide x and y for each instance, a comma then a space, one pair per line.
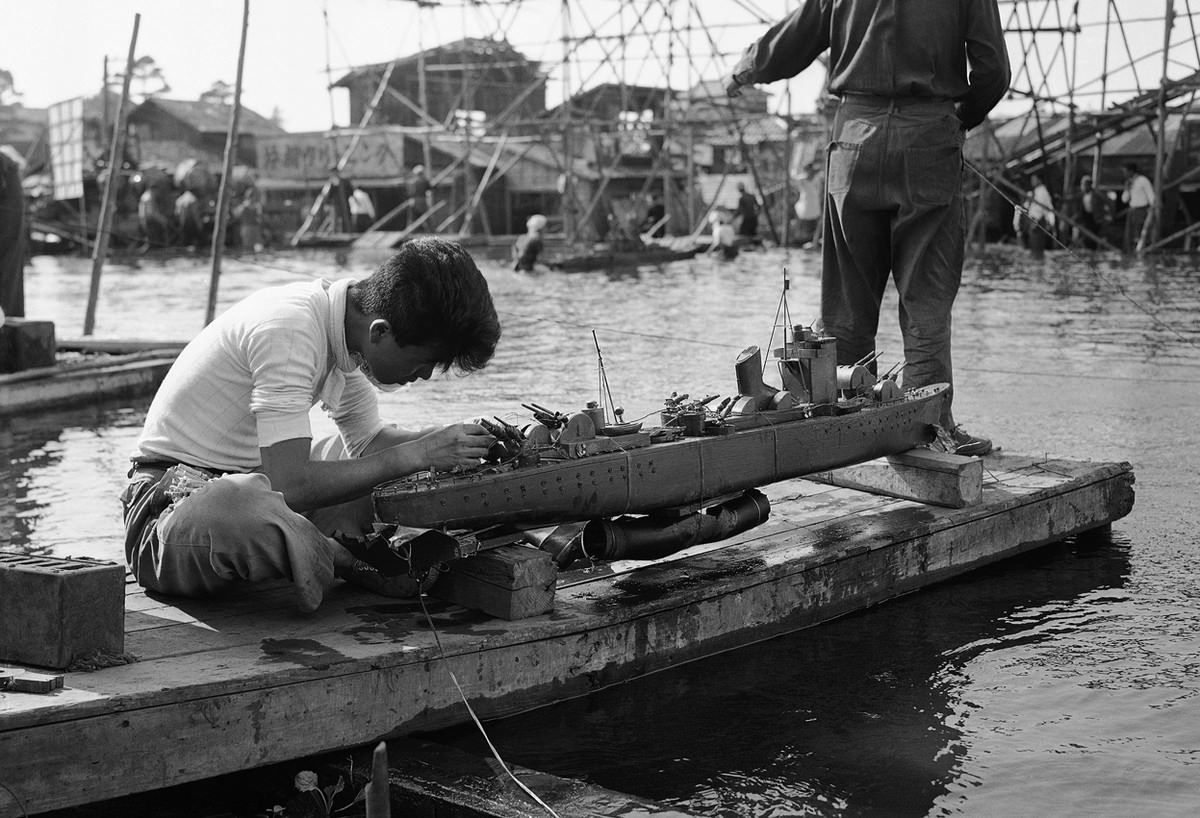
781, 310
602, 385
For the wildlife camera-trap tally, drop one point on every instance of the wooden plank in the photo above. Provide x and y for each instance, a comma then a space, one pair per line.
923, 475
367, 667
460, 783
511, 582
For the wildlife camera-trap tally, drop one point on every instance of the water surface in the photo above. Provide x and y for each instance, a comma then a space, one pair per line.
1063, 683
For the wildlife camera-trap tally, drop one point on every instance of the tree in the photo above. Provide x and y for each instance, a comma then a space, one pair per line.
146, 74
221, 93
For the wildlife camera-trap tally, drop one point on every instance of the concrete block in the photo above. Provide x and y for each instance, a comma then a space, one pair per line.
55, 610
26, 344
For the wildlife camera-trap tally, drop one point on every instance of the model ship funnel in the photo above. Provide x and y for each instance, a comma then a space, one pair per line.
748, 371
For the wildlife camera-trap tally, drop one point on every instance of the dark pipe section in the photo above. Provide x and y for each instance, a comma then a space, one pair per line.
647, 538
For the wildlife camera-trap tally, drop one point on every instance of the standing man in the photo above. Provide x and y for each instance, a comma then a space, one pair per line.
362, 209
1139, 196
13, 236
808, 206
1091, 213
228, 486
893, 181
527, 248
746, 216
419, 192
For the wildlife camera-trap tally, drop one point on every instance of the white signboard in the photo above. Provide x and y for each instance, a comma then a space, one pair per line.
66, 148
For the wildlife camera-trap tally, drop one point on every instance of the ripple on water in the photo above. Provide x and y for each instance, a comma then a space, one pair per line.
1060, 683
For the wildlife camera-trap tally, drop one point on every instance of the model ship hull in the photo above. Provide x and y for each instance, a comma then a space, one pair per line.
687, 472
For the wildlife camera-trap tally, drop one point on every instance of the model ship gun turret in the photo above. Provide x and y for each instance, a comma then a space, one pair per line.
812, 385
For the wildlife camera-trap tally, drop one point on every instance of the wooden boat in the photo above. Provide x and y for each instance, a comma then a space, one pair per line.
825, 418
619, 255
86, 371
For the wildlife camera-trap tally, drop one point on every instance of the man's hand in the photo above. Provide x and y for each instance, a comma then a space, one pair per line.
463, 444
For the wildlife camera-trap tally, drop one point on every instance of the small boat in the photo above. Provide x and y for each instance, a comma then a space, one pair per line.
623, 254
88, 370
564, 468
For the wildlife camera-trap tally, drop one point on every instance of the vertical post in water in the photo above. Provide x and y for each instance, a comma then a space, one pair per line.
116, 158
231, 140
1156, 230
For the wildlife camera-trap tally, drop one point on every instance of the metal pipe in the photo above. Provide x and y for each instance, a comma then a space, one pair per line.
646, 538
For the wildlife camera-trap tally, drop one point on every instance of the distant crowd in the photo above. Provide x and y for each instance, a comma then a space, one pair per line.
179, 209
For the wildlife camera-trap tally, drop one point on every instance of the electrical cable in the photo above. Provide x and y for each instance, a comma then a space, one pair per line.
495, 753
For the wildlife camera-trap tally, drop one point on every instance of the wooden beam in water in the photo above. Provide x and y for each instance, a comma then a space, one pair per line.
923, 475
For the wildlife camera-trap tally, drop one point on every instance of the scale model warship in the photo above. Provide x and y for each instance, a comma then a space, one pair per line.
591, 465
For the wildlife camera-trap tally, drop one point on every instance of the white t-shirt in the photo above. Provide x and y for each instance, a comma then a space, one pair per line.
249, 379
360, 204
1140, 193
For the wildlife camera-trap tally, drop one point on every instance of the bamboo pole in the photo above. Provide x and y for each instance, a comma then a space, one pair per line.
231, 140
1154, 232
115, 160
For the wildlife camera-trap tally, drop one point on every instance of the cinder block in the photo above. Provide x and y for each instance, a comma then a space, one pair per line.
54, 610
26, 344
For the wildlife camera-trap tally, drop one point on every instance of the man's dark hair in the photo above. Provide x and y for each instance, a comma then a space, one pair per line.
1132, 167
432, 293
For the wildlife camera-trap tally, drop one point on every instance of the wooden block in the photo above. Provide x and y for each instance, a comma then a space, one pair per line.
511, 582
926, 476
30, 682
26, 344
55, 610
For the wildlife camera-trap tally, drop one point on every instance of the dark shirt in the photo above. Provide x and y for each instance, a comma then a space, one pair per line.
892, 48
526, 250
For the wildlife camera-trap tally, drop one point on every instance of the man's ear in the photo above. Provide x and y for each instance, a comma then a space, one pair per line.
379, 328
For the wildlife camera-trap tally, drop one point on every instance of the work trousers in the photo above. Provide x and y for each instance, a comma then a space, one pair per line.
1135, 221
233, 530
894, 209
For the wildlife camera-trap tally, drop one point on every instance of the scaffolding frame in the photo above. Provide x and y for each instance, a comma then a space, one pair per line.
618, 42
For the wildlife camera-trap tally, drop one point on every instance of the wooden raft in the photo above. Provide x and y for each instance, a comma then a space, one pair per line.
248, 681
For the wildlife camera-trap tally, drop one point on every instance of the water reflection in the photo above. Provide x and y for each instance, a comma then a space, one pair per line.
861, 716
58, 481
1031, 688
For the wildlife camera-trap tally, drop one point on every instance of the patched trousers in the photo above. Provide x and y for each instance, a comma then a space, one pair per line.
894, 210
233, 530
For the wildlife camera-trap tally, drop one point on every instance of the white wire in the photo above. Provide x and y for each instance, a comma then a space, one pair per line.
496, 753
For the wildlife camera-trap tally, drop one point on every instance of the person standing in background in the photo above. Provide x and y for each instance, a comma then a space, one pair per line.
528, 247
912, 76
419, 192
1139, 197
809, 205
362, 210
746, 216
1038, 220
13, 236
